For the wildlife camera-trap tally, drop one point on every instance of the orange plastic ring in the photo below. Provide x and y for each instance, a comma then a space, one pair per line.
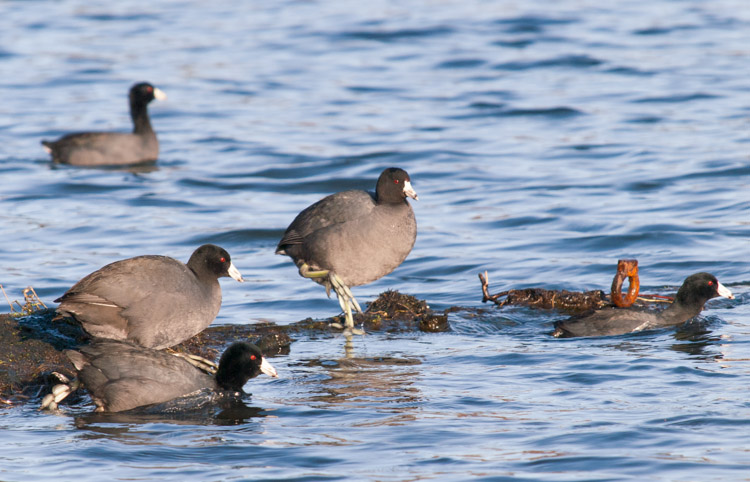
626, 268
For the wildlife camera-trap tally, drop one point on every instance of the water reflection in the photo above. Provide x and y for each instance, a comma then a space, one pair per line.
697, 340
143, 168
232, 411
380, 383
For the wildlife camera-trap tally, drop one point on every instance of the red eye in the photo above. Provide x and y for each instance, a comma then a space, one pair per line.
150, 89
223, 259
710, 283
253, 357
396, 181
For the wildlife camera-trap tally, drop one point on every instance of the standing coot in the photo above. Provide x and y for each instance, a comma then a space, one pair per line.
354, 237
113, 148
153, 301
692, 295
122, 376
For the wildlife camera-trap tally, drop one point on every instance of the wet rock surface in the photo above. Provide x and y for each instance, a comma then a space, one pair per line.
28, 356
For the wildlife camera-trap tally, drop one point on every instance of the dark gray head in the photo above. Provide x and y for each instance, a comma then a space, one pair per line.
699, 288
210, 260
143, 93
239, 363
140, 95
393, 186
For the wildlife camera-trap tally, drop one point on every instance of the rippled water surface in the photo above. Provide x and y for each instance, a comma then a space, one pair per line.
545, 139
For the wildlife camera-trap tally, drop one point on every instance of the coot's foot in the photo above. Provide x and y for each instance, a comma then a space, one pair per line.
198, 362
59, 392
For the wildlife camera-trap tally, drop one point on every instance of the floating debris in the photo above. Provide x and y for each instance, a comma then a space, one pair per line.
572, 301
576, 301
626, 268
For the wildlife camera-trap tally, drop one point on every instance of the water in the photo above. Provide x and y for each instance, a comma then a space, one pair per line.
545, 139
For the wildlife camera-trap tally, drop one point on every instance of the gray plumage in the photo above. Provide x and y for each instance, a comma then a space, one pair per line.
153, 301
359, 235
113, 148
692, 295
122, 376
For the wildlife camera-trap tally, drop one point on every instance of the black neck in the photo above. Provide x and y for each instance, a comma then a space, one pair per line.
139, 114
230, 380
679, 312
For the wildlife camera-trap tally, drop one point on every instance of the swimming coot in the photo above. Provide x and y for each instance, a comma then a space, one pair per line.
122, 376
153, 301
354, 237
113, 148
692, 295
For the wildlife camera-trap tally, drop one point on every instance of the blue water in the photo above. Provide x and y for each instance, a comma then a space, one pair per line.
546, 140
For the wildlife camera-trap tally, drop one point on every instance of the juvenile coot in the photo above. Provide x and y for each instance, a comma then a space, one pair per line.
692, 295
354, 237
122, 376
153, 301
113, 148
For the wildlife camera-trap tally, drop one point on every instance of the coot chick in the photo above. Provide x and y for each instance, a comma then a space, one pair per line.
113, 148
152, 301
354, 237
122, 376
692, 295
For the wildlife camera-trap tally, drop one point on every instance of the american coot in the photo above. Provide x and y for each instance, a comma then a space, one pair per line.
354, 237
153, 301
122, 376
113, 148
692, 295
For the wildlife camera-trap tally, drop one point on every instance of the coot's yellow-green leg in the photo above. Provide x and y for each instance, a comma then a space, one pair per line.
343, 293
339, 285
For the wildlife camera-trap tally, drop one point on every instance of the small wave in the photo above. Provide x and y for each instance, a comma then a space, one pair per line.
487, 105
575, 61
460, 64
650, 237
518, 44
489, 109
149, 200
661, 30
647, 119
531, 23
236, 237
107, 17
549, 112
676, 98
741, 171
395, 35
630, 71
366, 89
